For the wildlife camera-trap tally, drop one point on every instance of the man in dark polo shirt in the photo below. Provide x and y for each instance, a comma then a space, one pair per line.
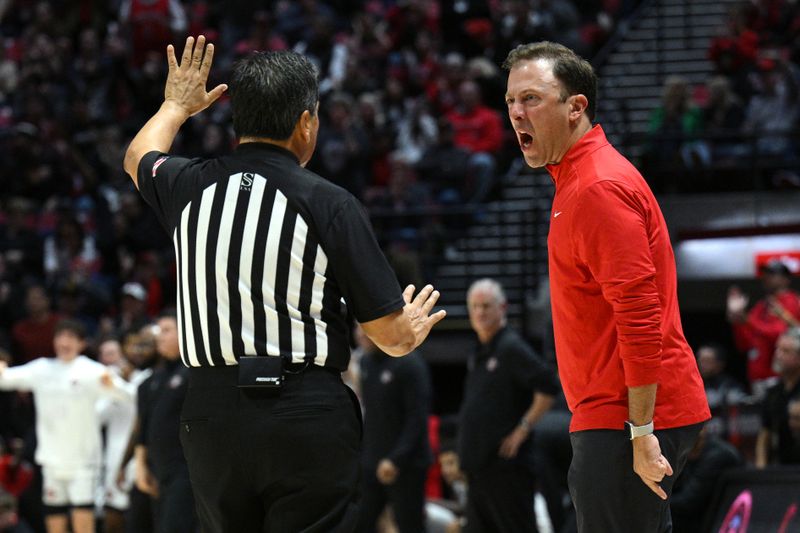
271, 260
775, 442
396, 394
508, 389
161, 469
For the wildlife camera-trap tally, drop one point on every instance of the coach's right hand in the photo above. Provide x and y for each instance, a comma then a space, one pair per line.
146, 481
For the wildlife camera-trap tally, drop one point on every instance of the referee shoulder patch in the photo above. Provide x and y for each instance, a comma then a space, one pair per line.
158, 163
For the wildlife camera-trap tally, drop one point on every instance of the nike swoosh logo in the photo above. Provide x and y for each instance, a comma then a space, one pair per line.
555, 215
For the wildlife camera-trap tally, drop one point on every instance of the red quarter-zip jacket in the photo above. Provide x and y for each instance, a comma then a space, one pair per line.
614, 293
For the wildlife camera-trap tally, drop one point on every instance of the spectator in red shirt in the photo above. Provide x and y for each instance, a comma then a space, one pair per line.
16, 474
478, 129
629, 376
152, 24
32, 336
757, 331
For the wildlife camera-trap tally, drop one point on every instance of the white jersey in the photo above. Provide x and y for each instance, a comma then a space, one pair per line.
118, 415
65, 395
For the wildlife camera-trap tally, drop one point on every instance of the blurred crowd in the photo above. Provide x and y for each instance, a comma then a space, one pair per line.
747, 110
412, 117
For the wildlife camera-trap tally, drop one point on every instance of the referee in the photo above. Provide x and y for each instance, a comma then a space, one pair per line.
271, 259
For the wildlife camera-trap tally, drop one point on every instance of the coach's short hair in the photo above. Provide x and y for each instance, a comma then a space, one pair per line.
490, 284
720, 353
269, 92
575, 73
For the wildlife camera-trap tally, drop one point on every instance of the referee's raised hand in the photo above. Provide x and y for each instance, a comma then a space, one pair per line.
184, 95
186, 81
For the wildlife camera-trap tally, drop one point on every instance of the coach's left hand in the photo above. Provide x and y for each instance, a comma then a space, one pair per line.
386, 472
511, 443
650, 464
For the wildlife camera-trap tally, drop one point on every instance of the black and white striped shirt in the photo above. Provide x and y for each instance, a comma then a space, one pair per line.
268, 255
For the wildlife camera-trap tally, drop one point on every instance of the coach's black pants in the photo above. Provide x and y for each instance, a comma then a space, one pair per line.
140, 516
286, 464
174, 507
607, 493
500, 499
406, 496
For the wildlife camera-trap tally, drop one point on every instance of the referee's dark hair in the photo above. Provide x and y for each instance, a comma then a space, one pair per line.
269, 92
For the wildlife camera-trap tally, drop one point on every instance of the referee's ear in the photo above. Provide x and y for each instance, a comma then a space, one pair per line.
306, 124
305, 132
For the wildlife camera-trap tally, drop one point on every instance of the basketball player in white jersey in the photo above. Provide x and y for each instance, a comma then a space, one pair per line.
65, 393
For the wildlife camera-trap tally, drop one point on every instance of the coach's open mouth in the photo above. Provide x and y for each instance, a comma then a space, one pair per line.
525, 139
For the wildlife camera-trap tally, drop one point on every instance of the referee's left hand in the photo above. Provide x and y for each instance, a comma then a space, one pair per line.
400, 332
418, 311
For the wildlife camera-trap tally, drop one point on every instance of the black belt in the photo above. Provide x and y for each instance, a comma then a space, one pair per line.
205, 376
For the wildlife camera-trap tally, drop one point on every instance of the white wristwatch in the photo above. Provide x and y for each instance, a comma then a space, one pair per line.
638, 431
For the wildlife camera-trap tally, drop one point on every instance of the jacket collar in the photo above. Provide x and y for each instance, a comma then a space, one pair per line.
592, 140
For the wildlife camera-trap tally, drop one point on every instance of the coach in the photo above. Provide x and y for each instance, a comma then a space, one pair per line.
628, 374
271, 259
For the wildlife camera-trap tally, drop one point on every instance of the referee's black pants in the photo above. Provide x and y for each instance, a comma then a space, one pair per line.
500, 499
608, 495
285, 464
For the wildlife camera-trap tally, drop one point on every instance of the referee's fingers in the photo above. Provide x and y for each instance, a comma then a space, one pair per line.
430, 302
408, 293
423, 295
208, 58
172, 61
216, 92
187, 53
199, 50
436, 317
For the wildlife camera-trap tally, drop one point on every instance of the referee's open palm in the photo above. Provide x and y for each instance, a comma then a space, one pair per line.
418, 310
186, 82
